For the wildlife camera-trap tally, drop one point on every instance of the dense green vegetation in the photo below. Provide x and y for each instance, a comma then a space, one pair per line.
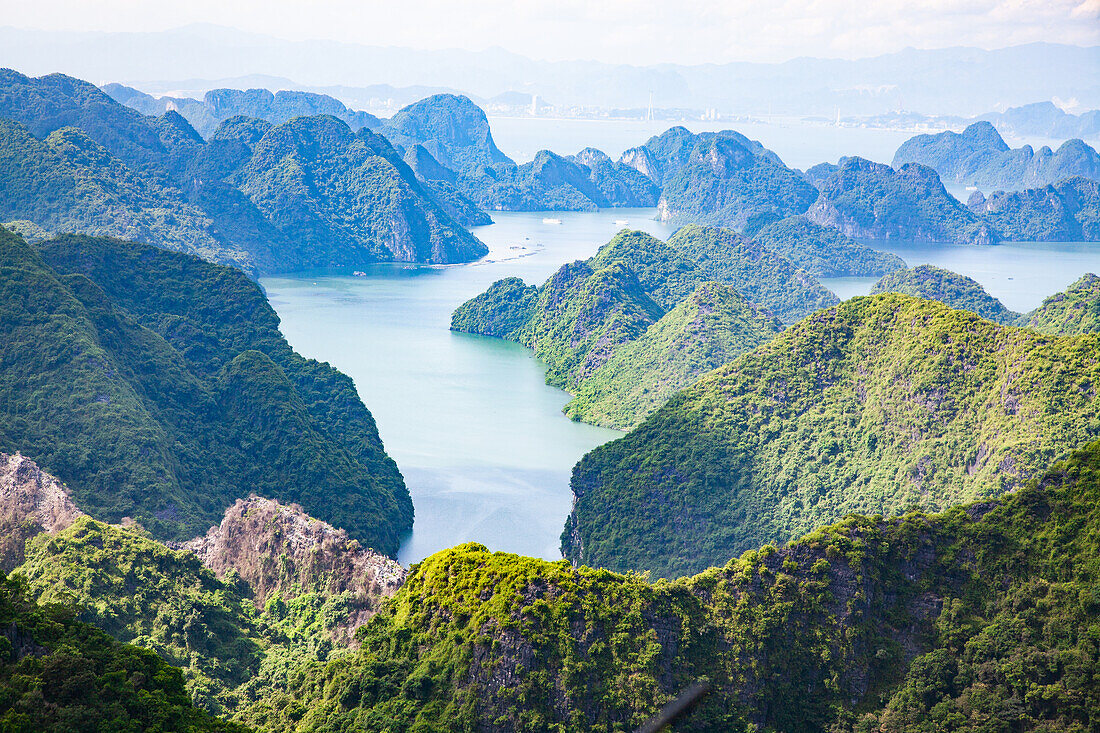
980, 618
710, 327
958, 291
1068, 211
348, 197
762, 277
611, 331
59, 674
308, 192
823, 251
502, 311
158, 386
1074, 311
874, 201
978, 156
67, 182
878, 405
232, 652
729, 180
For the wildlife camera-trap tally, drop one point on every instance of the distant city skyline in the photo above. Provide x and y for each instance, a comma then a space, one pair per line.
613, 31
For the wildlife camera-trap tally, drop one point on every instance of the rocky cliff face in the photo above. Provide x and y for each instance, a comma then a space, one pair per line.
279, 549
31, 502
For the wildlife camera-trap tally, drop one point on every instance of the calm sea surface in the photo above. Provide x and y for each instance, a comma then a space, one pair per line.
477, 433
479, 436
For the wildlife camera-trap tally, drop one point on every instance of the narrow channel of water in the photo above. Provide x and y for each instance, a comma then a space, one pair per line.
478, 435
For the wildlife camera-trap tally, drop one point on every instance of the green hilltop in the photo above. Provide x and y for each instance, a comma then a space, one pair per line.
879, 405
980, 618
644, 317
710, 327
1074, 311
159, 387
824, 251
308, 192
958, 291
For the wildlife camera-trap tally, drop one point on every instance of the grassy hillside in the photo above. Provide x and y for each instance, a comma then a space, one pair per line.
1075, 311
876, 406
767, 279
824, 251
705, 330
158, 386
980, 618
958, 291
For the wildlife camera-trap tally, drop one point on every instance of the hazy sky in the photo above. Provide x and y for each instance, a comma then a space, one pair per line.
620, 31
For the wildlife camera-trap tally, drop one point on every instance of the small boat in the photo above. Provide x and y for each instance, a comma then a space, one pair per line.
621, 222
359, 273
971, 188
550, 220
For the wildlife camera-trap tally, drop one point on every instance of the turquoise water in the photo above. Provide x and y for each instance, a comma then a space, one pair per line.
478, 435
1020, 274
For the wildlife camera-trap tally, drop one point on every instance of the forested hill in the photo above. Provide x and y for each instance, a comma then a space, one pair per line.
611, 325
958, 291
878, 405
309, 192
983, 617
158, 387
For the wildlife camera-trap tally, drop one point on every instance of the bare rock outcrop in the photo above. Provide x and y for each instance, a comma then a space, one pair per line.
31, 502
279, 549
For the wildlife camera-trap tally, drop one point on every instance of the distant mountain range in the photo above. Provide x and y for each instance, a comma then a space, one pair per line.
958, 81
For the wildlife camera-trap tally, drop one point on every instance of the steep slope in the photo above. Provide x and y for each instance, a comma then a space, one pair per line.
306, 193
502, 311
583, 313
824, 251
57, 673
1068, 211
958, 291
1072, 312
874, 201
978, 156
878, 405
218, 105
451, 128
762, 277
551, 182
68, 182
587, 312
982, 617
158, 386
347, 198
710, 327
731, 181
283, 554
662, 156
31, 502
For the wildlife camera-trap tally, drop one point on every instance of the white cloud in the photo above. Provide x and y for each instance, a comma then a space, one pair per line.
630, 31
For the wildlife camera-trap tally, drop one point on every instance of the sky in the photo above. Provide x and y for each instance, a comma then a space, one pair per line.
639, 32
